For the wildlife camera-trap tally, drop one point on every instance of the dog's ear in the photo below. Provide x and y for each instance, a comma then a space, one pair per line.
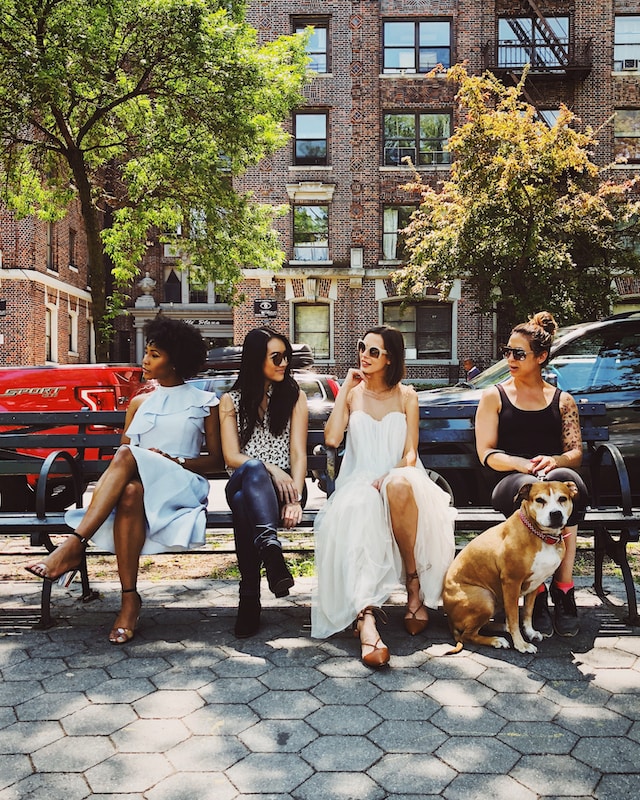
573, 489
523, 493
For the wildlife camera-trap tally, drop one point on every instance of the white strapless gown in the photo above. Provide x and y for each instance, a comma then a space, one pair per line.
358, 563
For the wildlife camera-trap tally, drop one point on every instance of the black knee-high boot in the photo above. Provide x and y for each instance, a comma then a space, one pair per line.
279, 578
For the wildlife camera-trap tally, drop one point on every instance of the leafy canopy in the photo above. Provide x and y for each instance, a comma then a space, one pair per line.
526, 218
145, 110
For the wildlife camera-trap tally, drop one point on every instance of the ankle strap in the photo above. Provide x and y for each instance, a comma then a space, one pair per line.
84, 541
126, 591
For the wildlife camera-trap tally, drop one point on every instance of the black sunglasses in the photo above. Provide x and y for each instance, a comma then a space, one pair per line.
517, 352
374, 352
278, 358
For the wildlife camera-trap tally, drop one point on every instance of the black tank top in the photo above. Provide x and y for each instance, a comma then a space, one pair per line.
530, 433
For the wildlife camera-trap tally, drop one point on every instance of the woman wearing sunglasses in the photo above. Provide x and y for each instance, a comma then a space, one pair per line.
386, 521
530, 430
263, 425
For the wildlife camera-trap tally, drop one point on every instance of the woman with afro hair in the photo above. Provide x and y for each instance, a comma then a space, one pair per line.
152, 498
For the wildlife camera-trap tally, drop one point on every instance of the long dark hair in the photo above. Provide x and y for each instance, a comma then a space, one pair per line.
394, 345
250, 384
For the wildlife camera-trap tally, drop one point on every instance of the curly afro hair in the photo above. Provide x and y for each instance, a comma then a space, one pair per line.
183, 342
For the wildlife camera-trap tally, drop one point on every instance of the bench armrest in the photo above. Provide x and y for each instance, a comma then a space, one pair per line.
41, 487
608, 454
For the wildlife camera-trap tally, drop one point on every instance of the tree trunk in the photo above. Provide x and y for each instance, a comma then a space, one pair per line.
92, 226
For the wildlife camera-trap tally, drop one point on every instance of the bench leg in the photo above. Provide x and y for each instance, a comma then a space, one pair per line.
616, 549
46, 621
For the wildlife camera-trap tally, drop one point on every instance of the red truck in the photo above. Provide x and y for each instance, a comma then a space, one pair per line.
96, 387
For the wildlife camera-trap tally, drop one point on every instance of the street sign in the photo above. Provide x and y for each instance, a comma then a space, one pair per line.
265, 308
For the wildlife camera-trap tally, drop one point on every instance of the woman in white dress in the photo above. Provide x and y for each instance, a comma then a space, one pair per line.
386, 521
152, 498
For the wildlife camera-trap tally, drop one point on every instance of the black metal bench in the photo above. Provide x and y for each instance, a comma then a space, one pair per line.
82, 454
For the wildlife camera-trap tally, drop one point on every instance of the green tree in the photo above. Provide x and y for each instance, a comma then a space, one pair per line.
145, 111
526, 218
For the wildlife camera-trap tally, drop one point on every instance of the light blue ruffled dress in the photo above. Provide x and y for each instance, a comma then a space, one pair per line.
175, 499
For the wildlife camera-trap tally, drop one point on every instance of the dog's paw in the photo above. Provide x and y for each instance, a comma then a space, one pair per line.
532, 634
500, 643
525, 647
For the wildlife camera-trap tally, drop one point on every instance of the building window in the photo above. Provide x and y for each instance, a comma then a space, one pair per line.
310, 134
51, 333
394, 219
318, 43
626, 48
416, 46
524, 40
73, 332
420, 137
426, 327
549, 116
173, 288
198, 291
311, 233
50, 244
311, 326
73, 245
626, 131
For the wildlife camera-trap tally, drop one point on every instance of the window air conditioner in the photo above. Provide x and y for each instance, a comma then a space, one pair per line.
631, 64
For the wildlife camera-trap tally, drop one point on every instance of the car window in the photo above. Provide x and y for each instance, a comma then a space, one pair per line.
312, 388
600, 361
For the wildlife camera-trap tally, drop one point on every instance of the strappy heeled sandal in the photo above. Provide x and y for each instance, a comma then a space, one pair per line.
124, 635
412, 624
379, 655
64, 578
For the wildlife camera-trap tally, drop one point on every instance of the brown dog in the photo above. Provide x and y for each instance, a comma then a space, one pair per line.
505, 562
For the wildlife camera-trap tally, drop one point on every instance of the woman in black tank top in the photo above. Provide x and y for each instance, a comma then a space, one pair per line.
528, 430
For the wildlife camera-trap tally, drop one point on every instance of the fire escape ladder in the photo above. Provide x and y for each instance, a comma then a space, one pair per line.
549, 36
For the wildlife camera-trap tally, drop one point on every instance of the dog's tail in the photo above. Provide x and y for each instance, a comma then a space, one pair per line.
455, 650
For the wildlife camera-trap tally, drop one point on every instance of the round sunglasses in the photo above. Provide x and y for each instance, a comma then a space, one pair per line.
278, 358
374, 352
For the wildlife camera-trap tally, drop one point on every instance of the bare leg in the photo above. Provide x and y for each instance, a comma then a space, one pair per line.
404, 522
564, 573
108, 489
129, 533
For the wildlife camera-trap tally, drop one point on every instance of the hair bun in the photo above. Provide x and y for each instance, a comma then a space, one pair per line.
545, 320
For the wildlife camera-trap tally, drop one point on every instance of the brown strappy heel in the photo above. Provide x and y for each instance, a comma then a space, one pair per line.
412, 624
379, 656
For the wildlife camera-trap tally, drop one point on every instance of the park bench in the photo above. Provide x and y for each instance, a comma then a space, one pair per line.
87, 439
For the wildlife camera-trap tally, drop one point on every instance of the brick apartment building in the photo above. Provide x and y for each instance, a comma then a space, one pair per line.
370, 103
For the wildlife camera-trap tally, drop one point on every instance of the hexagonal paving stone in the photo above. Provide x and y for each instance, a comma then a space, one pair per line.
13, 768
407, 774
407, 736
341, 754
183, 678
24, 738
138, 667
278, 736
467, 721
193, 786
34, 669
558, 776
77, 680
121, 690
515, 681
625, 704
537, 737
232, 690
128, 773
245, 666
402, 680
589, 721
342, 719
285, 705
52, 706
403, 705
168, 704
480, 755
215, 753
291, 678
565, 693
281, 772
14, 692
616, 787
521, 708
608, 754
73, 754
150, 736
460, 693
345, 691
220, 719
496, 787
98, 720
340, 786
52, 786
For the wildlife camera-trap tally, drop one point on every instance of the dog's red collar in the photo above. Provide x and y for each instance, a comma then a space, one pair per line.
547, 538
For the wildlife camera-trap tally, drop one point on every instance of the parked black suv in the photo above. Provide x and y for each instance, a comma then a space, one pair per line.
596, 361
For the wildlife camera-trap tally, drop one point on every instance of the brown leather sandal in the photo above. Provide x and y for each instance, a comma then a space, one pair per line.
379, 655
412, 624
